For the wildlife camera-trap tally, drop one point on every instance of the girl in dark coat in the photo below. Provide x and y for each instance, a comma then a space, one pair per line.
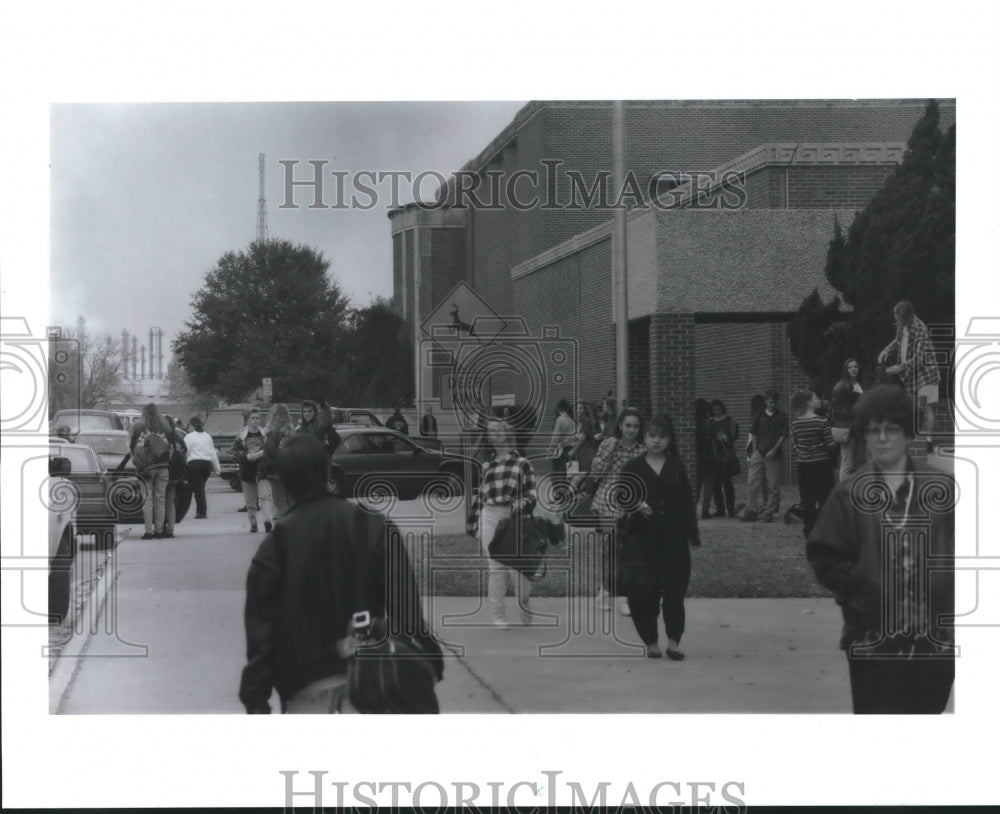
659, 535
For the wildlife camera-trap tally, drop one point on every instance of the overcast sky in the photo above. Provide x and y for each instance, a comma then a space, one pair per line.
146, 197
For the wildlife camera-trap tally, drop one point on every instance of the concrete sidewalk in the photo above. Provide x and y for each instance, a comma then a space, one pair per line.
743, 655
169, 639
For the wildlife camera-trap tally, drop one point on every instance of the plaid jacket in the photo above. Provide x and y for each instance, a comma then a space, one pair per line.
507, 481
919, 366
610, 459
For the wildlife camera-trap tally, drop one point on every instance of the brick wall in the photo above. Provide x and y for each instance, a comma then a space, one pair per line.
640, 394
834, 187
447, 261
672, 378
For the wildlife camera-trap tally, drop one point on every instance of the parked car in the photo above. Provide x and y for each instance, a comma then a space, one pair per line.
224, 423
376, 461
100, 430
104, 499
62, 537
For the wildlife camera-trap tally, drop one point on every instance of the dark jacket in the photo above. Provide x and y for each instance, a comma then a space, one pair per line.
303, 588
669, 495
846, 550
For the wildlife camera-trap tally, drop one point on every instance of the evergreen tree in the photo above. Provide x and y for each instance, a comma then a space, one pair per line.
901, 246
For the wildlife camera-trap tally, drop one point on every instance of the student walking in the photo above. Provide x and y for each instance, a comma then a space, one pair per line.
563, 439
612, 455
202, 461
506, 486
663, 529
248, 450
270, 489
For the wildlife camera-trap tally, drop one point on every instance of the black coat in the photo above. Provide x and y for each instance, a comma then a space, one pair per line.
303, 588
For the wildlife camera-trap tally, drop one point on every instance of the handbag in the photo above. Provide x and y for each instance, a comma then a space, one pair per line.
388, 672
520, 542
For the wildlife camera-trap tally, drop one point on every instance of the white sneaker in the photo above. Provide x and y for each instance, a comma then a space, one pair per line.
623, 607
500, 624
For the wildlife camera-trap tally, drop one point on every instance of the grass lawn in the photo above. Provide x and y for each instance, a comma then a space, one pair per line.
735, 560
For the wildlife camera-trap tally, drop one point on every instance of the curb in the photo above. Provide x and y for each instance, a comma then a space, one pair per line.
68, 661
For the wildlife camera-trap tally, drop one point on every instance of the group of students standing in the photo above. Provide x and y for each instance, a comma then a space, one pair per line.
173, 478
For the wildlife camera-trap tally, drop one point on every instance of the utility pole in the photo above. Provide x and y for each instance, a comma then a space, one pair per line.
620, 256
261, 204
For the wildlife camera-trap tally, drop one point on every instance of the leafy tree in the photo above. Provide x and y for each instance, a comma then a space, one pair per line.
380, 357
271, 310
901, 246
179, 390
85, 372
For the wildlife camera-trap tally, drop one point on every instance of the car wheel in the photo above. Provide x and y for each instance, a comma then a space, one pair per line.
60, 576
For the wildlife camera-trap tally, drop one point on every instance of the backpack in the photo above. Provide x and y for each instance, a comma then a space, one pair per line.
151, 449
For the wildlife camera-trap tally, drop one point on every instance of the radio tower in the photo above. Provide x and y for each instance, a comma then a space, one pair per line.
261, 205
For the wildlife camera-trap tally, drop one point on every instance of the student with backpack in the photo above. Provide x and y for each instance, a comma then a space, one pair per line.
149, 445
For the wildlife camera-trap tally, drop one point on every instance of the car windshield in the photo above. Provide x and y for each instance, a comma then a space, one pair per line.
81, 459
77, 422
227, 422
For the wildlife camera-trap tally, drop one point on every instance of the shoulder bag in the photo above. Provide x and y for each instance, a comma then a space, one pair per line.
520, 542
388, 673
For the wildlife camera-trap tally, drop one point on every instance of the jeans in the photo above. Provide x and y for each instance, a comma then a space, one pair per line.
764, 484
154, 506
198, 472
489, 519
273, 498
251, 497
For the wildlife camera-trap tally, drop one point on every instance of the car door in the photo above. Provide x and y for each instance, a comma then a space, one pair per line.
353, 459
395, 458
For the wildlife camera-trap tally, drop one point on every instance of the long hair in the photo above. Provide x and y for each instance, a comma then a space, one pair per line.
621, 418
844, 375
278, 420
153, 419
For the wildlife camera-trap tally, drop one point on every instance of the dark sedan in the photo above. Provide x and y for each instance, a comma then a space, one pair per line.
104, 500
377, 461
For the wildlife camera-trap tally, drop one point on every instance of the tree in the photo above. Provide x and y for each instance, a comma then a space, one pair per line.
380, 354
85, 371
901, 246
179, 390
271, 311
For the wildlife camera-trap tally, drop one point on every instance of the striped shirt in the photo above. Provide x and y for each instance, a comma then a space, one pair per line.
812, 439
507, 481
